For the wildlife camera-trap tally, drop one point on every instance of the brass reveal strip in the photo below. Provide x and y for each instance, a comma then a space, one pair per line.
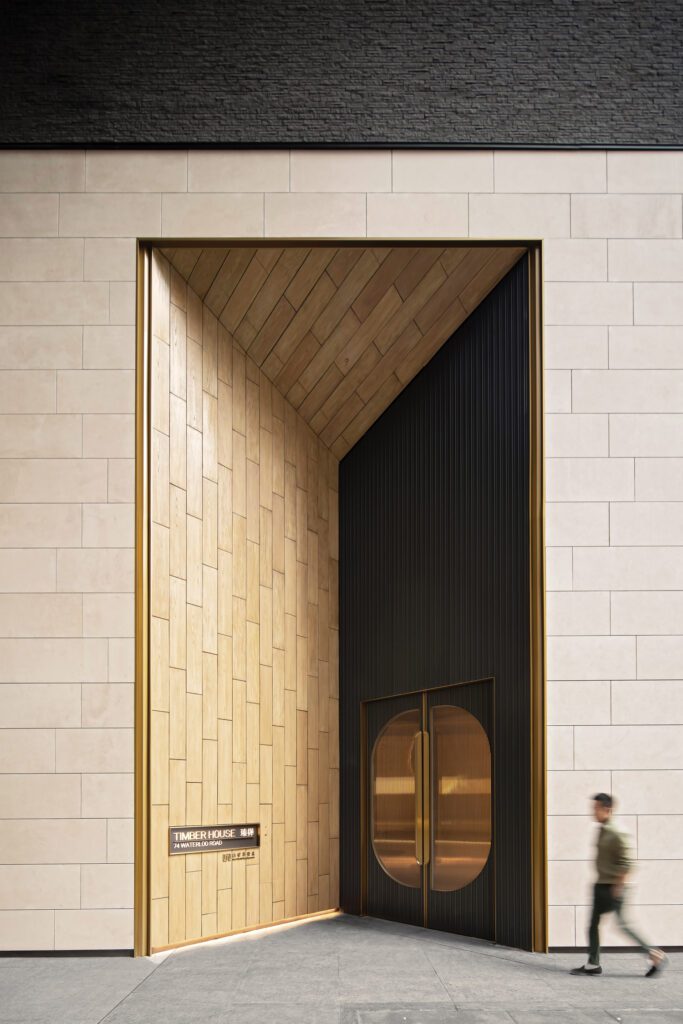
142, 528
539, 886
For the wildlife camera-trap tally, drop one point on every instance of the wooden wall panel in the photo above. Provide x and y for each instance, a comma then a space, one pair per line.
243, 636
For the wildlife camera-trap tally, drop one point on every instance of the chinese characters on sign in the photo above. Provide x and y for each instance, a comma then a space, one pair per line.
211, 838
240, 855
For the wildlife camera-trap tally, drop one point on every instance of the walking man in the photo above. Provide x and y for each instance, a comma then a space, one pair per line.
613, 864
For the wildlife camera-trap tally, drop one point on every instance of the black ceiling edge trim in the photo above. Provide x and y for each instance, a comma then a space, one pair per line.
332, 146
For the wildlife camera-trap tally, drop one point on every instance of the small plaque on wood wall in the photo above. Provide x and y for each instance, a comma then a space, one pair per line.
211, 838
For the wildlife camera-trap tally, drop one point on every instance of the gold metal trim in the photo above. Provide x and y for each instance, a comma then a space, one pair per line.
432, 689
364, 810
141, 914
426, 803
539, 884
298, 918
419, 797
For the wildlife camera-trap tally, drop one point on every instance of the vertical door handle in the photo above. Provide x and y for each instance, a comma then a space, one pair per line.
419, 789
426, 845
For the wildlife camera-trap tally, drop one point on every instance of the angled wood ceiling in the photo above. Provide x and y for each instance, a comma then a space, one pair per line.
340, 331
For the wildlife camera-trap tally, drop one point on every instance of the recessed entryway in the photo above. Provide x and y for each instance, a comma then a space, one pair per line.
261, 368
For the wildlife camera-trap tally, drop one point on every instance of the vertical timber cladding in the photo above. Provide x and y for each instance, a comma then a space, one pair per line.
434, 556
243, 632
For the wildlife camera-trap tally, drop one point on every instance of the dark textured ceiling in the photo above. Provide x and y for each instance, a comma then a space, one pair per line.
342, 72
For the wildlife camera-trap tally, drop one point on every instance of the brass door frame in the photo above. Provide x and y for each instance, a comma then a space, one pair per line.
537, 795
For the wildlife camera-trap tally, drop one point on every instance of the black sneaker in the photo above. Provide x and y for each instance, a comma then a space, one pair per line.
586, 969
657, 965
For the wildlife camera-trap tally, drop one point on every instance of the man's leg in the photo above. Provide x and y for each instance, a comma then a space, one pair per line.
655, 955
627, 928
593, 965
594, 929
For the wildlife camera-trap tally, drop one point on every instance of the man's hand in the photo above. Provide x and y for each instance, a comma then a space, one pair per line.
618, 888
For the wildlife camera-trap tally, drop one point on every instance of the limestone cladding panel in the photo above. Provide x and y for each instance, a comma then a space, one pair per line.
612, 228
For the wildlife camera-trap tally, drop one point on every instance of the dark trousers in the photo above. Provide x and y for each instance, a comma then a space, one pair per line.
604, 902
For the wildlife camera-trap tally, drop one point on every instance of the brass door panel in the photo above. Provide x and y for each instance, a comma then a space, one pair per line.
396, 808
460, 798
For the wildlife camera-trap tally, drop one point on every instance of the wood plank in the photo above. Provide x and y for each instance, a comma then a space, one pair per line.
184, 260
387, 308
160, 598
209, 352
450, 290
225, 656
240, 300
160, 478
225, 344
392, 358
268, 256
452, 255
381, 281
344, 296
300, 358
194, 316
178, 443
177, 722
321, 391
272, 330
432, 341
177, 624
194, 559
209, 696
374, 408
306, 277
205, 270
194, 444
345, 259
210, 609
333, 347
421, 263
345, 389
194, 383
275, 285
194, 649
178, 352
228, 277
498, 264
417, 298
303, 320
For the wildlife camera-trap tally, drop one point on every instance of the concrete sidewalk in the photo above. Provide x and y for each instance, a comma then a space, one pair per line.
339, 970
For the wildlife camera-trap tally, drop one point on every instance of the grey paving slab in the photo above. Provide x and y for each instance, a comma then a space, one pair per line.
340, 970
290, 983
78, 990
444, 1013
544, 1015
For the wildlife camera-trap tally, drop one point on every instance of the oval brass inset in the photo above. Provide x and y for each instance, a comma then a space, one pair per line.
396, 801
461, 798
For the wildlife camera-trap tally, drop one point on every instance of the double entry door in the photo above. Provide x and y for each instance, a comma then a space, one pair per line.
429, 856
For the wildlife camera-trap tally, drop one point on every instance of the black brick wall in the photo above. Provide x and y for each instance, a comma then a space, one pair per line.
342, 72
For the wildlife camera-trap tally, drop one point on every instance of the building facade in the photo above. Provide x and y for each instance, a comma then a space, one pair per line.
610, 228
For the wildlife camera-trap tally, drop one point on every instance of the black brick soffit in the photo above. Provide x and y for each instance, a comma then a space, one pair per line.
342, 73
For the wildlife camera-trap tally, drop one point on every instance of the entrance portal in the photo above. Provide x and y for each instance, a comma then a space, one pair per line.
429, 824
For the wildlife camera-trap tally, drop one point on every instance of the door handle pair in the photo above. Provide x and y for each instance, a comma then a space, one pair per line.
422, 843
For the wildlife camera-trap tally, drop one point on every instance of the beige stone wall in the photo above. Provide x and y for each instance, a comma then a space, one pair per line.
613, 249
244, 635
